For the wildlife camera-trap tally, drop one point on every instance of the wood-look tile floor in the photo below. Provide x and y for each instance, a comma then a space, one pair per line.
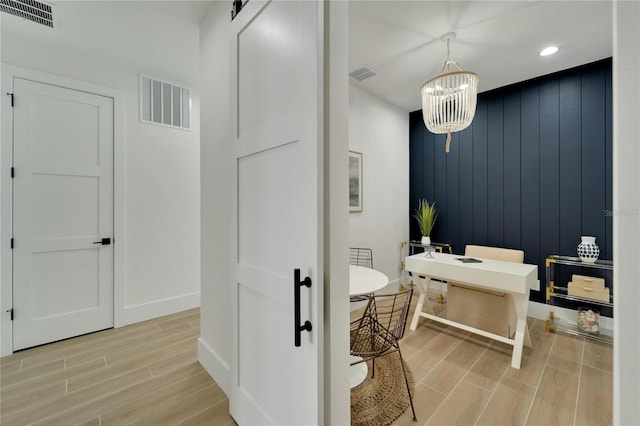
148, 374
465, 379
143, 374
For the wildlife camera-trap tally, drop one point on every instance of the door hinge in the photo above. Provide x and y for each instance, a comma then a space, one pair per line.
10, 313
13, 172
11, 94
11, 243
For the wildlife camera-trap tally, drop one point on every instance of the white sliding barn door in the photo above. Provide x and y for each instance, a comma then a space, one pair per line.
276, 128
63, 208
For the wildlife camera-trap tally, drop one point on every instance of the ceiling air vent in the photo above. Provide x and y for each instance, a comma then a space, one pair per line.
362, 73
32, 10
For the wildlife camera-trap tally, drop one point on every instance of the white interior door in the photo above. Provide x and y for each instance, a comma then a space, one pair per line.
63, 208
276, 123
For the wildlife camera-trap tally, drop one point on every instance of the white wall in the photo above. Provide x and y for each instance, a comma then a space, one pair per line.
626, 204
160, 167
214, 347
381, 132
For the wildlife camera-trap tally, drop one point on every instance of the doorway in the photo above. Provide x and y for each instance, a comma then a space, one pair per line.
63, 213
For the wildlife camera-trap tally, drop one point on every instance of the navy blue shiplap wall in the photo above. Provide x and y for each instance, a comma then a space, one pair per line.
532, 172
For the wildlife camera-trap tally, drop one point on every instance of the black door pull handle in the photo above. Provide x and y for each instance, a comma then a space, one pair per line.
299, 328
104, 241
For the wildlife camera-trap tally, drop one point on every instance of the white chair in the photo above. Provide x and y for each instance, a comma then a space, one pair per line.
495, 253
492, 311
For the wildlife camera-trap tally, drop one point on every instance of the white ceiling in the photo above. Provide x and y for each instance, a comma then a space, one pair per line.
498, 40
106, 28
400, 40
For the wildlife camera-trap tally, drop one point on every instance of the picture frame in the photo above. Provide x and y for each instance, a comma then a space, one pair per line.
355, 181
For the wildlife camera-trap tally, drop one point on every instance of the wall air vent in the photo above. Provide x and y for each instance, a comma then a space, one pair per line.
362, 73
32, 10
164, 103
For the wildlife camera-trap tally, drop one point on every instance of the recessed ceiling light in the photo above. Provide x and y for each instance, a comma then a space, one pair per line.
548, 51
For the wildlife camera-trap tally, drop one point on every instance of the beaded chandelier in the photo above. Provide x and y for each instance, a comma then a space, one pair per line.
449, 99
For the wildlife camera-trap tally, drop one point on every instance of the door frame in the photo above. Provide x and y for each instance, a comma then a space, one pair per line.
9, 72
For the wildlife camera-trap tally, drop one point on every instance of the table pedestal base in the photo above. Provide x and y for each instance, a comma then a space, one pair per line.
358, 372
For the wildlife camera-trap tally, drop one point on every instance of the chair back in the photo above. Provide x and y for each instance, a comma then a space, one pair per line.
378, 331
361, 256
495, 253
382, 324
486, 252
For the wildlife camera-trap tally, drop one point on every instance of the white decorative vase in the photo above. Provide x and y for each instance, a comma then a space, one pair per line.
426, 241
588, 251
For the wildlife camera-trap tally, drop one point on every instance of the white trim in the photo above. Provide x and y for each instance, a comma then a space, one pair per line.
6, 206
535, 310
391, 287
215, 365
158, 308
626, 202
541, 311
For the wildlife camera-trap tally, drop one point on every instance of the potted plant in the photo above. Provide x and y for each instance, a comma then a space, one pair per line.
426, 215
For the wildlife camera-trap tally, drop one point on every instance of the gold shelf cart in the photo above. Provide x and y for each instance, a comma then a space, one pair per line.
554, 291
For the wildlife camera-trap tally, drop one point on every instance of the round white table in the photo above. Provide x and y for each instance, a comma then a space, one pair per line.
365, 280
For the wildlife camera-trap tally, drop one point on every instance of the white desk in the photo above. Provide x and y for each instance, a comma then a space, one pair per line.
514, 278
365, 280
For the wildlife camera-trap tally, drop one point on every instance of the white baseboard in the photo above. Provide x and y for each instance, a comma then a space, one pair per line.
392, 287
535, 310
217, 368
157, 308
541, 311
436, 285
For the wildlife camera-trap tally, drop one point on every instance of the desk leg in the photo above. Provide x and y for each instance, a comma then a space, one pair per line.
522, 337
517, 345
421, 300
416, 313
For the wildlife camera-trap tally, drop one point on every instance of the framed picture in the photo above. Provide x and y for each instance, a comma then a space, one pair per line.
355, 181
